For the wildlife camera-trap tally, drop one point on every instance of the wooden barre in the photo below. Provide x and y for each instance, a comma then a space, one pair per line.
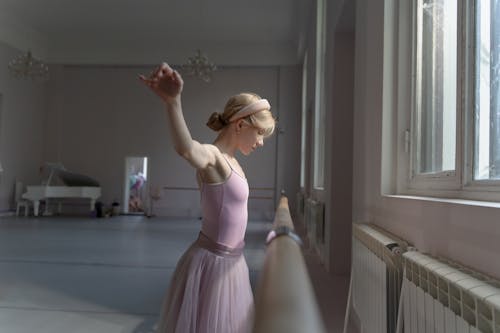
285, 300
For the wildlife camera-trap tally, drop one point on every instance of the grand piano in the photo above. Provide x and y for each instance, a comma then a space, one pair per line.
76, 186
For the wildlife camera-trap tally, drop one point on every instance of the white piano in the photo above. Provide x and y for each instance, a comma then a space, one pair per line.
39, 192
77, 186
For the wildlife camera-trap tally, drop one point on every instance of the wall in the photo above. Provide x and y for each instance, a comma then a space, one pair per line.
288, 134
341, 158
100, 114
339, 85
466, 233
22, 119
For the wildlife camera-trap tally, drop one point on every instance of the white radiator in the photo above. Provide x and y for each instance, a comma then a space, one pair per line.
376, 277
441, 296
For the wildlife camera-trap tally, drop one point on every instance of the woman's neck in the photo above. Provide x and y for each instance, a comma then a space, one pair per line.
225, 144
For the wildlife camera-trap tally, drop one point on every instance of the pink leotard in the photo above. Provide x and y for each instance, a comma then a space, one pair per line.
224, 207
210, 290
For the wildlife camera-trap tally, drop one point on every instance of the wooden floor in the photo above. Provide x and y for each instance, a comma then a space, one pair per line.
61, 275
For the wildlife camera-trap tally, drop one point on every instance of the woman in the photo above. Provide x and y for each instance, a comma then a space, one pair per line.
210, 289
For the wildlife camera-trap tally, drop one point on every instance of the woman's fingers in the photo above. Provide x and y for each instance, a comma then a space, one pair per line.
147, 81
163, 70
177, 77
143, 78
164, 81
159, 72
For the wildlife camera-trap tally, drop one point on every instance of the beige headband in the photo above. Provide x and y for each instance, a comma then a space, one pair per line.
261, 104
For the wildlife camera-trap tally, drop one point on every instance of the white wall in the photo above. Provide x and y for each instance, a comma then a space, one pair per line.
465, 233
100, 114
22, 119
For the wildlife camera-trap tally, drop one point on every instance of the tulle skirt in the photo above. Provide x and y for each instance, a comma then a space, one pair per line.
210, 291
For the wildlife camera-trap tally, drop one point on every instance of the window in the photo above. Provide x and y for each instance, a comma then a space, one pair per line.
319, 110
436, 86
487, 91
455, 99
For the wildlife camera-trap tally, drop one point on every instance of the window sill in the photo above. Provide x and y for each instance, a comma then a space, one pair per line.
465, 202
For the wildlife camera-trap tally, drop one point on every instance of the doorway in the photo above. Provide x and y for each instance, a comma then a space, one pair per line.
135, 194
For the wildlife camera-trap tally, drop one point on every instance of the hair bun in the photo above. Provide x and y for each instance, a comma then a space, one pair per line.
216, 122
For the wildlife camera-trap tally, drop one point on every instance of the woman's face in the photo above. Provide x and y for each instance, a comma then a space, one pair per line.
250, 138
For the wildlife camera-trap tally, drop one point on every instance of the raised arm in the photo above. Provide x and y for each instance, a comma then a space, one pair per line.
167, 84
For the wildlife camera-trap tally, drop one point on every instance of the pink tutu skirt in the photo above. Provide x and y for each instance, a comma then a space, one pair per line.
210, 291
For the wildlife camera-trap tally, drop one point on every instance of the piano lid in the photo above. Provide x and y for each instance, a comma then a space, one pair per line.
67, 177
52, 168
75, 179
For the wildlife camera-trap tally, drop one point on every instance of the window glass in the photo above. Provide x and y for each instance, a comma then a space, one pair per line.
487, 90
319, 110
436, 86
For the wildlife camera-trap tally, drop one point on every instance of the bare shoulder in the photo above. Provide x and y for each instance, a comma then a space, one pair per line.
218, 170
213, 153
217, 155
211, 148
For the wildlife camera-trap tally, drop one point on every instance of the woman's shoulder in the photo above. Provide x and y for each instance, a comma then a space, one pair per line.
210, 146
213, 149
219, 158
219, 171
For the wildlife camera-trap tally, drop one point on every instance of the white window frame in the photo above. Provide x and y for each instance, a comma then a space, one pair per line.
319, 100
447, 180
303, 137
488, 189
458, 184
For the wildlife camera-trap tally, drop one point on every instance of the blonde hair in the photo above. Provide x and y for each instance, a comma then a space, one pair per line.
262, 120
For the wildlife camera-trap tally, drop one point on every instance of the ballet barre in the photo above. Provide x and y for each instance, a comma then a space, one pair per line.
285, 300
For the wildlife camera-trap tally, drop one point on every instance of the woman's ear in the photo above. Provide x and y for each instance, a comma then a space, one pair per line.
239, 125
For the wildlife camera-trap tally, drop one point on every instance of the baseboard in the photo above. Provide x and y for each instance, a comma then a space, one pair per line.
7, 213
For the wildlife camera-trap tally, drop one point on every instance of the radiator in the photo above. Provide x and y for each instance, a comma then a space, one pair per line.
376, 278
314, 216
442, 296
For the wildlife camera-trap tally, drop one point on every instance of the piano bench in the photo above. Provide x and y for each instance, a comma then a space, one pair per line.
23, 204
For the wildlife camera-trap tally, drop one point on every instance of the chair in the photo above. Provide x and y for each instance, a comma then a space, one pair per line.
20, 202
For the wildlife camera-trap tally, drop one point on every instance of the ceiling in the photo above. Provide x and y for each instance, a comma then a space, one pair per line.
230, 32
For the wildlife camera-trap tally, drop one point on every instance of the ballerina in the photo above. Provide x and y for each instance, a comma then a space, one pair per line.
210, 290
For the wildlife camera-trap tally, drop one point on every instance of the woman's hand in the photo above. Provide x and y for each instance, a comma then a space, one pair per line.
165, 82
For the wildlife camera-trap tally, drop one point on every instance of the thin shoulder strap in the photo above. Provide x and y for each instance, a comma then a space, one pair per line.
227, 161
